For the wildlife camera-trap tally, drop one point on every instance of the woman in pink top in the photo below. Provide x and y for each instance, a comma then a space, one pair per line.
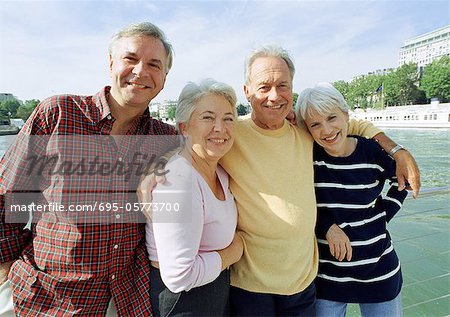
191, 238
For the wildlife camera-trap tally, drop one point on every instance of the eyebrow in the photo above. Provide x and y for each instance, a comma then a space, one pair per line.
211, 112
135, 55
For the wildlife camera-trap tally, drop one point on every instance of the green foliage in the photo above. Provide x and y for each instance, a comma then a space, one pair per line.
294, 98
402, 86
241, 109
25, 110
171, 112
436, 79
8, 108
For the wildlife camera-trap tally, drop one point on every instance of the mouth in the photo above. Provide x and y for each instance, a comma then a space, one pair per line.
273, 107
137, 85
217, 140
332, 138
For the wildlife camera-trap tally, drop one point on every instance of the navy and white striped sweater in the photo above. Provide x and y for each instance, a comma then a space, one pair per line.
348, 193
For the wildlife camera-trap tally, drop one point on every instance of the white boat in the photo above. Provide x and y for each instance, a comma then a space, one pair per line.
433, 115
6, 128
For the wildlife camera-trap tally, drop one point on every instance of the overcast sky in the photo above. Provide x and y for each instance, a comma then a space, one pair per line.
55, 47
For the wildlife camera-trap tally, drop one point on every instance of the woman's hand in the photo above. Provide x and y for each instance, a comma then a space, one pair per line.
339, 243
232, 253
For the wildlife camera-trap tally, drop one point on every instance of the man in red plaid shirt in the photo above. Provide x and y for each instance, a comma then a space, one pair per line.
79, 263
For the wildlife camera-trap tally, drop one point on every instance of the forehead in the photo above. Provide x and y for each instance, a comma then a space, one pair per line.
269, 69
322, 112
214, 103
140, 45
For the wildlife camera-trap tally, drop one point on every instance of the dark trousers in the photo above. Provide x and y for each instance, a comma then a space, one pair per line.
207, 300
245, 303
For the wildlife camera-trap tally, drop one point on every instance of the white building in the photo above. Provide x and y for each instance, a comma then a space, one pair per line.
425, 48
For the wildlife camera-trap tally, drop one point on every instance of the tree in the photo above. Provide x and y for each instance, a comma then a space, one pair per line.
171, 112
241, 109
401, 86
294, 98
8, 107
25, 110
436, 79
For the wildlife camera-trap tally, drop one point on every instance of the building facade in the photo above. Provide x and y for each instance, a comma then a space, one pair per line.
425, 48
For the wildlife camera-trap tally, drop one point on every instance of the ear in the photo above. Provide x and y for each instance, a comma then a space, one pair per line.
110, 62
183, 129
347, 116
247, 92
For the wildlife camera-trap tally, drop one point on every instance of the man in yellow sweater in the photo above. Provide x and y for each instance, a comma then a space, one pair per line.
271, 173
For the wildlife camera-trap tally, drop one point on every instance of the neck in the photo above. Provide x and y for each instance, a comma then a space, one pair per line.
124, 115
206, 168
266, 126
347, 149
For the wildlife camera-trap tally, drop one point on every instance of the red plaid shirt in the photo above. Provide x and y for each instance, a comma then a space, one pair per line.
69, 268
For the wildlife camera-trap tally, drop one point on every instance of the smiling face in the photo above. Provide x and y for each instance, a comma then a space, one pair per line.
269, 91
138, 70
330, 131
211, 127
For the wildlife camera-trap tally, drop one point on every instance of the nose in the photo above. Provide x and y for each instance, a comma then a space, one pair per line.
273, 94
218, 125
139, 69
326, 128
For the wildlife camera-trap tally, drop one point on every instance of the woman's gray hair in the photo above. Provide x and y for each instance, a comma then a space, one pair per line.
145, 29
193, 92
268, 51
323, 99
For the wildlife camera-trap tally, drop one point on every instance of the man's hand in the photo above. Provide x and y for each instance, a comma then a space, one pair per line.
407, 170
339, 243
4, 271
291, 117
232, 253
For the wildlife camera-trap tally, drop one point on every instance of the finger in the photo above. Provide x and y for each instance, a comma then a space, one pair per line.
401, 182
342, 252
159, 179
332, 249
349, 251
337, 252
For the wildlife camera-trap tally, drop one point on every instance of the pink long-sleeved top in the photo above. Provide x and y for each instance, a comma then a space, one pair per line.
188, 226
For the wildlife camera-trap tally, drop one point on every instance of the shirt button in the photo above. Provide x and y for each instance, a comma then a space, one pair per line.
116, 246
118, 216
113, 277
109, 117
120, 159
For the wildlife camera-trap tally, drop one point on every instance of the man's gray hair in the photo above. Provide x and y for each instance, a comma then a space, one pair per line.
268, 51
323, 99
145, 29
193, 92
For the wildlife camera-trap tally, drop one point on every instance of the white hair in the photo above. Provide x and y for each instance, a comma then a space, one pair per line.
322, 98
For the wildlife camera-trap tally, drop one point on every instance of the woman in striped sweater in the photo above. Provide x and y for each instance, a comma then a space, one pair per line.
357, 261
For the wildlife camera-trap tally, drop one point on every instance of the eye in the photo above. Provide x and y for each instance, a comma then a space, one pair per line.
129, 58
155, 65
314, 125
263, 88
208, 118
332, 117
229, 119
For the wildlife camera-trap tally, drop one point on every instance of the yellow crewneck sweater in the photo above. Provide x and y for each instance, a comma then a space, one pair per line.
272, 181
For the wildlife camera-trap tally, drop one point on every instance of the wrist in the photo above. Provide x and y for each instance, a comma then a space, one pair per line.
395, 149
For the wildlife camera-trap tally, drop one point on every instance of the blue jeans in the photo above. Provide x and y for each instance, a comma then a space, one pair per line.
392, 308
245, 303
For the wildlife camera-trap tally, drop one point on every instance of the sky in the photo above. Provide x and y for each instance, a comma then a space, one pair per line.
59, 47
